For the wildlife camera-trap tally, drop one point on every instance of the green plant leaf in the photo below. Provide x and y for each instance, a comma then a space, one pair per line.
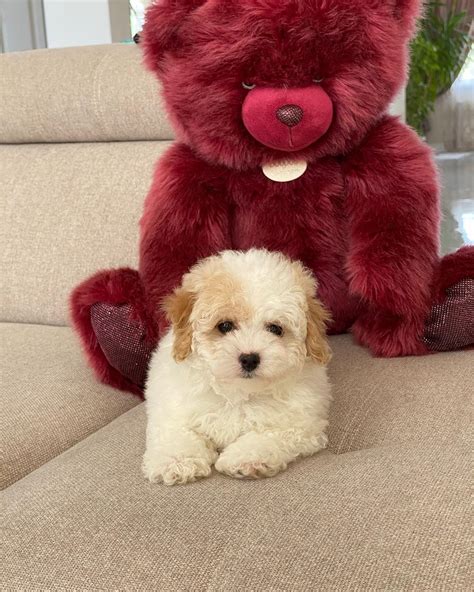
438, 53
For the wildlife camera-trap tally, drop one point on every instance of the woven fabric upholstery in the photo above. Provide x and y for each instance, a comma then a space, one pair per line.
67, 210
390, 518
80, 94
399, 400
50, 399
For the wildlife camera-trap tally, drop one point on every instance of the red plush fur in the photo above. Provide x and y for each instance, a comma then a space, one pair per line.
203, 50
117, 286
365, 215
370, 192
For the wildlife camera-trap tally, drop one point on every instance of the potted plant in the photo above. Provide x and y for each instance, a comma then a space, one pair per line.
438, 54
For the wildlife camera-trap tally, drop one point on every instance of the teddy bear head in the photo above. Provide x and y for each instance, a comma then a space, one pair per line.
253, 81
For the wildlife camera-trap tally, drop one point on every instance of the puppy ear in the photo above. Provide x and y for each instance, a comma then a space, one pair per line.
161, 32
316, 341
178, 307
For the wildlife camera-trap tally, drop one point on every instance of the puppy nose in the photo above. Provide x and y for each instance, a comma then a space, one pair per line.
249, 361
290, 115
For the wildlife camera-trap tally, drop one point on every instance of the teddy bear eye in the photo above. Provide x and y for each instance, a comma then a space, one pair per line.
275, 329
248, 85
225, 327
318, 80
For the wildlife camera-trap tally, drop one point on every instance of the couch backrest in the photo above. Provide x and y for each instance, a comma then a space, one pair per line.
80, 94
76, 162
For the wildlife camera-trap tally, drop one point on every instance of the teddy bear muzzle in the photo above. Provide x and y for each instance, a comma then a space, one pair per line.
287, 119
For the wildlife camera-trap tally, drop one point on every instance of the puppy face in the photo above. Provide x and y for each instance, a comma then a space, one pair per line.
252, 318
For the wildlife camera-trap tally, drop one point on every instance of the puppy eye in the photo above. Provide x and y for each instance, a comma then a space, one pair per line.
248, 85
318, 80
225, 327
275, 329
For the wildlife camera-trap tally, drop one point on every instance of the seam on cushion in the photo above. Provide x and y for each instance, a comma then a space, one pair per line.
75, 444
355, 424
72, 445
79, 440
96, 91
73, 142
33, 324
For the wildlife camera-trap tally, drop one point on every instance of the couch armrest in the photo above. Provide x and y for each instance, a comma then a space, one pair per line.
81, 94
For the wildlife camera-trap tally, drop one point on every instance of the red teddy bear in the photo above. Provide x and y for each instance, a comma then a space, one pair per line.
284, 143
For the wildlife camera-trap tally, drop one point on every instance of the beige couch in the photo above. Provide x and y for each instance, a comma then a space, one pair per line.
384, 508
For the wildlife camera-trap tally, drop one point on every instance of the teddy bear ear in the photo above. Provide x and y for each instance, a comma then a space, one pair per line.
161, 31
407, 12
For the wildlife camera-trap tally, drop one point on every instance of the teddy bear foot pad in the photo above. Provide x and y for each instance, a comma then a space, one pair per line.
122, 340
450, 325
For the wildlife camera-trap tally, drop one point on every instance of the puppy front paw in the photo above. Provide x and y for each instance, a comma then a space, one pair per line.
242, 468
174, 471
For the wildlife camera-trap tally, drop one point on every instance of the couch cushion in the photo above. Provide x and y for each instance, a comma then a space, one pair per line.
67, 211
402, 400
376, 402
390, 518
79, 94
50, 400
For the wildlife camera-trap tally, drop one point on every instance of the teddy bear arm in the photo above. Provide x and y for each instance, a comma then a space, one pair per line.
392, 201
186, 218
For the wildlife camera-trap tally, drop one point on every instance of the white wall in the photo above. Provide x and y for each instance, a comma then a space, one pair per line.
77, 22
86, 22
22, 26
398, 106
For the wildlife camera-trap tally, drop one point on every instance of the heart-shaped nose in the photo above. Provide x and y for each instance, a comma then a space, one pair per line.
290, 115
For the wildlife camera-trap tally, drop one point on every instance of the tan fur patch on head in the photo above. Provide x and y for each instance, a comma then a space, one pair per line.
208, 296
178, 307
221, 299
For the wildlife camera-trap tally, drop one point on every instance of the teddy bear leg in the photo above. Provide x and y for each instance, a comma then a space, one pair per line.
118, 336
450, 324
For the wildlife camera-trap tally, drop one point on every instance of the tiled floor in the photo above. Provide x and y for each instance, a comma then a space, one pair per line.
457, 180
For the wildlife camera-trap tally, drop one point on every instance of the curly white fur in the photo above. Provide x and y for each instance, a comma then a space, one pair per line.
204, 410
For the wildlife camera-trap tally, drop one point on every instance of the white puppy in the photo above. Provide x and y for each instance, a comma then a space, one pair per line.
240, 380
